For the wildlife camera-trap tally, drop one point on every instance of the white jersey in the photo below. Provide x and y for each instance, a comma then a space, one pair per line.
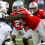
4, 4
4, 29
4, 32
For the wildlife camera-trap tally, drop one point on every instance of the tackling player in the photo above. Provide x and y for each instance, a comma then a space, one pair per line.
40, 13
36, 24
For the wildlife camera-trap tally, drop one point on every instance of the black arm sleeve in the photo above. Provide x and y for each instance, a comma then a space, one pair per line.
2, 19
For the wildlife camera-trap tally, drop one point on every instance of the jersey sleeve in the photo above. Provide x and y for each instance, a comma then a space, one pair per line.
23, 11
11, 14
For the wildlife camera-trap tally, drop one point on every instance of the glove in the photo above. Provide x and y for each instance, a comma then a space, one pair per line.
9, 43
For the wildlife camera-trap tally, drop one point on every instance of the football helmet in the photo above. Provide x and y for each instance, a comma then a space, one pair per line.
4, 10
33, 7
17, 5
6, 4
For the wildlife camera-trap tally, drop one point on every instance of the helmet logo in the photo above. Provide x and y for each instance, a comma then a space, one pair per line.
32, 4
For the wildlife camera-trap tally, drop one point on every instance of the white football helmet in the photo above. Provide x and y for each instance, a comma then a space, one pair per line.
33, 7
5, 4
17, 5
4, 10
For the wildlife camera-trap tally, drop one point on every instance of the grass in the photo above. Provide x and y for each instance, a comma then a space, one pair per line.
19, 41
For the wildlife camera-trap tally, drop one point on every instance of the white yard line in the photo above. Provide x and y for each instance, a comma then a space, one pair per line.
21, 39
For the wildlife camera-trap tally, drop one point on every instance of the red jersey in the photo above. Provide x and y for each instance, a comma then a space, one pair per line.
40, 13
37, 0
16, 23
30, 20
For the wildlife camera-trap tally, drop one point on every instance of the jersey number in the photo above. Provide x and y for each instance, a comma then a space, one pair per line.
17, 23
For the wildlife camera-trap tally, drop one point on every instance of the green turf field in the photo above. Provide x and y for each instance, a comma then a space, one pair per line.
19, 40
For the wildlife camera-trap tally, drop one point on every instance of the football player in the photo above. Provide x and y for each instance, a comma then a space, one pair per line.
17, 25
4, 29
33, 22
40, 13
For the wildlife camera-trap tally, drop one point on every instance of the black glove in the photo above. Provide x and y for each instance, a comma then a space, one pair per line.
2, 19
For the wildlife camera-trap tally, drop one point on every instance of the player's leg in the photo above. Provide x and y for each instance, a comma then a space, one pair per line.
22, 31
14, 34
7, 33
36, 37
8, 40
42, 41
26, 37
2, 37
41, 30
4, 32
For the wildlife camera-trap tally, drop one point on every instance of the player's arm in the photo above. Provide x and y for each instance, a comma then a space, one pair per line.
12, 18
